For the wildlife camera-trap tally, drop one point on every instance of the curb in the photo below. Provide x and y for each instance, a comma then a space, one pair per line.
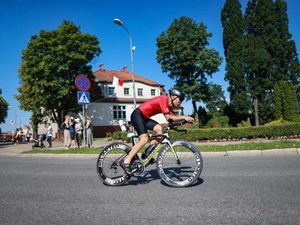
271, 152
284, 151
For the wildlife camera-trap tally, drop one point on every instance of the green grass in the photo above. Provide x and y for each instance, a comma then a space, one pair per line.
203, 148
250, 146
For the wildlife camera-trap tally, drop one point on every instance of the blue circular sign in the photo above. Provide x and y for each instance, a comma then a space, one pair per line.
83, 83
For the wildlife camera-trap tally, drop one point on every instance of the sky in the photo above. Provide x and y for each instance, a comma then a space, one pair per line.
145, 20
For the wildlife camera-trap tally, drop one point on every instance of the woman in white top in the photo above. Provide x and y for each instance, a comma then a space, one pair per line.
49, 135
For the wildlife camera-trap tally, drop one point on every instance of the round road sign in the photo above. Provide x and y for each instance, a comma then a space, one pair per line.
82, 83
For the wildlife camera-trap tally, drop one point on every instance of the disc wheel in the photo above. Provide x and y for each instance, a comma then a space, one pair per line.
181, 167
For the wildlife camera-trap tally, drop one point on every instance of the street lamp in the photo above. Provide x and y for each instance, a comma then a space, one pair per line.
15, 116
120, 23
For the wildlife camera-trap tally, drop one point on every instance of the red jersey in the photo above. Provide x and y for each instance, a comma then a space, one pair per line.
156, 105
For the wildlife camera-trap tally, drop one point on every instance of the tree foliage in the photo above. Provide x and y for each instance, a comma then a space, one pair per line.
50, 64
3, 108
183, 54
233, 42
259, 53
285, 101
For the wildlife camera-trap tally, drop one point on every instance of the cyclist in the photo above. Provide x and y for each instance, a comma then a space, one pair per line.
141, 121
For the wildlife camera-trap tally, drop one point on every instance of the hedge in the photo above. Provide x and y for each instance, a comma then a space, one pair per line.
264, 131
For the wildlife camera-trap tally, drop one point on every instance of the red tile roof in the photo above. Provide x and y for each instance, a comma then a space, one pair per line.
107, 75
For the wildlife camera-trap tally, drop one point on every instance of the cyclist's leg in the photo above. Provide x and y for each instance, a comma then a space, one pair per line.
143, 139
158, 129
139, 124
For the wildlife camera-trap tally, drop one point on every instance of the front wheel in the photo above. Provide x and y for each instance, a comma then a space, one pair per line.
108, 164
179, 165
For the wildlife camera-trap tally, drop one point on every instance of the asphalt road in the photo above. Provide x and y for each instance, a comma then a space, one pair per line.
232, 190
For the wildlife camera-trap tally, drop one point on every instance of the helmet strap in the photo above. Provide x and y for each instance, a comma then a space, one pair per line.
173, 106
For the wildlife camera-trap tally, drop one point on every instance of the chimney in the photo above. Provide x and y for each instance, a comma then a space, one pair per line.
125, 69
101, 67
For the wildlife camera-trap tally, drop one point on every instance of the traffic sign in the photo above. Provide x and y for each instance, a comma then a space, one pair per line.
82, 83
83, 97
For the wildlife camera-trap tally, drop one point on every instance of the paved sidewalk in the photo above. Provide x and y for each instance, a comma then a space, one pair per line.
17, 149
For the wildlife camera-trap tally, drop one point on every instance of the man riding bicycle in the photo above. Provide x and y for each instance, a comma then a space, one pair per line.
141, 121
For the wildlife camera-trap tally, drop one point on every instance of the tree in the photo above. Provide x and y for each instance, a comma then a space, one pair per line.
278, 97
233, 42
287, 66
290, 109
216, 102
261, 36
270, 55
285, 101
50, 64
183, 53
3, 108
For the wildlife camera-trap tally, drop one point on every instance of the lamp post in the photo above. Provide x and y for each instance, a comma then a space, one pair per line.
120, 23
15, 121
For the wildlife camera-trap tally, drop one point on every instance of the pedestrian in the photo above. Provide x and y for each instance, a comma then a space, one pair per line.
72, 133
67, 135
89, 132
49, 134
78, 132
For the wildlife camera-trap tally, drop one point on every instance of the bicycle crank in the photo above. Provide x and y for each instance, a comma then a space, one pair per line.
137, 168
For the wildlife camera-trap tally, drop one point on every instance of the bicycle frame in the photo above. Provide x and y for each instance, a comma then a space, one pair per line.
165, 140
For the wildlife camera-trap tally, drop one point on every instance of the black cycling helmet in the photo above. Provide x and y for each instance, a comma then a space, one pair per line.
177, 92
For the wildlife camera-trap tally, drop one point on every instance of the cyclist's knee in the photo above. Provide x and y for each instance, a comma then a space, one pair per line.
158, 129
143, 138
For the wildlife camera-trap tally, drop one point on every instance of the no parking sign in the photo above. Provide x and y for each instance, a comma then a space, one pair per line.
83, 83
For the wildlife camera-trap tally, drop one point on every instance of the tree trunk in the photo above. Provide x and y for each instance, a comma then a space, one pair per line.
255, 105
195, 113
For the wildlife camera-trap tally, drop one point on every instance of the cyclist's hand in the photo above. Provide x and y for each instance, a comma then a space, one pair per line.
164, 125
189, 119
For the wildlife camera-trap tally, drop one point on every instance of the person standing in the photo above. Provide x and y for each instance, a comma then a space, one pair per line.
72, 134
67, 135
89, 132
78, 132
49, 134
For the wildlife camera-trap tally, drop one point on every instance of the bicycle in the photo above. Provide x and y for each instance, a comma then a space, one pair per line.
179, 163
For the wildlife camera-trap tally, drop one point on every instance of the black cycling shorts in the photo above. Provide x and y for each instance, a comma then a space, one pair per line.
140, 123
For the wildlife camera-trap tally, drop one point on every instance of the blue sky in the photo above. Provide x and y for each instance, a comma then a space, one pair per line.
145, 19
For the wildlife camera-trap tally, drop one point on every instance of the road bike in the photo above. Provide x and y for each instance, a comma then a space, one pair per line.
178, 163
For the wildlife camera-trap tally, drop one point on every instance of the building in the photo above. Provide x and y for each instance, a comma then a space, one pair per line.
117, 88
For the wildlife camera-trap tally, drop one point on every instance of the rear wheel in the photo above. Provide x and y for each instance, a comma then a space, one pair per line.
108, 164
181, 167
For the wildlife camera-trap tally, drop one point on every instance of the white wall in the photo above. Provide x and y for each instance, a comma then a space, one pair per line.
119, 90
102, 113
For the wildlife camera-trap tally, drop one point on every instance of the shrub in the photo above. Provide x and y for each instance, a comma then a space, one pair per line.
218, 121
265, 131
244, 124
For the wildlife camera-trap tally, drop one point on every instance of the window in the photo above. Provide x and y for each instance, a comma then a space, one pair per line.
119, 111
152, 92
126, 91
140, 91
111, 91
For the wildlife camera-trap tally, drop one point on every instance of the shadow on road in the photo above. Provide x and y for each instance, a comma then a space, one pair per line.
152, 175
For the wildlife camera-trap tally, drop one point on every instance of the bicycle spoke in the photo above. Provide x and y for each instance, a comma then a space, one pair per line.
108, 164
179, 166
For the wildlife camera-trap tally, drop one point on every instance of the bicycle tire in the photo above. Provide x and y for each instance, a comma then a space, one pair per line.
180, 173
108, 164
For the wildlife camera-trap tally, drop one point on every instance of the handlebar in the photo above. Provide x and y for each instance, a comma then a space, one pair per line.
173, 125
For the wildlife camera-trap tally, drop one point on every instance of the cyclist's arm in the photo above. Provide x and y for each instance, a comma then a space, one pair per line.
178, 118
